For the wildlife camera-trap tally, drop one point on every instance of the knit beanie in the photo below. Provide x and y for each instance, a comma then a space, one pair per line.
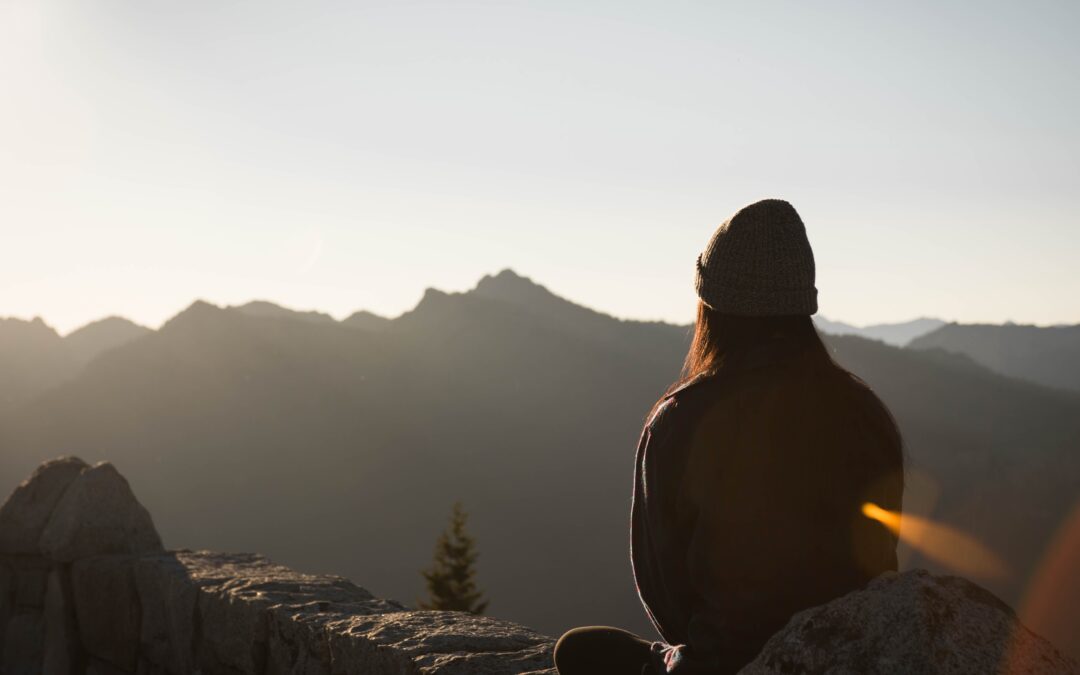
759, 263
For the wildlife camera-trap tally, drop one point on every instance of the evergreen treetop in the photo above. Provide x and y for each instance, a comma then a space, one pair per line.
451, 580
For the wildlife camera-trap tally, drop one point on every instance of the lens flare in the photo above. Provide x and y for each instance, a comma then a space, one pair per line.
941, 543
1052, 604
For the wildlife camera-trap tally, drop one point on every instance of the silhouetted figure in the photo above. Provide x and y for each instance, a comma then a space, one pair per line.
752, 469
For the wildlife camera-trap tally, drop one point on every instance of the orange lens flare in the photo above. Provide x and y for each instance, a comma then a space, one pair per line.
941, 543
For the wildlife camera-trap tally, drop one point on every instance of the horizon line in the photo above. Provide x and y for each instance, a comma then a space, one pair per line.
504, 272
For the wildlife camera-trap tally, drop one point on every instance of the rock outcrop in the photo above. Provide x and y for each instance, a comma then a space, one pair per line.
98, 515
27, 511
914, 623
86, 588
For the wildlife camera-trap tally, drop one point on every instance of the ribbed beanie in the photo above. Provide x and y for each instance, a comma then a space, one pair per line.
759, 263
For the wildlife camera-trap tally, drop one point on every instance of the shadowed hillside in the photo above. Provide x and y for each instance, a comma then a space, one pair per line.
1047, 355
895, 334
34, 358
338, 448
86, 343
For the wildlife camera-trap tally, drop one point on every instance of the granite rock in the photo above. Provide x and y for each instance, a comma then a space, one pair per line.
167, 599
27, 510
29, 574
107, 609
62, 649
98, 515
24, 644
914, 623
433, 642
7, 593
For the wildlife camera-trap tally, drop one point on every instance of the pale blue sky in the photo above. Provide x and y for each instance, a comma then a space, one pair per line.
346, 155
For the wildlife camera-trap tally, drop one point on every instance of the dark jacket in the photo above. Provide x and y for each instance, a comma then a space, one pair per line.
747, 503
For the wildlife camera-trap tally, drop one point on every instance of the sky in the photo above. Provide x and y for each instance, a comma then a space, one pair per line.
348, 155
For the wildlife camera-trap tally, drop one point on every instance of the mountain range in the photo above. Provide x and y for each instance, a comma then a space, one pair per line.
1048, 355
896, 334
339, 446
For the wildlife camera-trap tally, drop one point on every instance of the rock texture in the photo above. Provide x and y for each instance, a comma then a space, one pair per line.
912, 623
86, 587
98, 515
62, 653
26, 512
97, 595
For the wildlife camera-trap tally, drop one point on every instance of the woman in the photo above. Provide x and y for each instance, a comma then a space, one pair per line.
752, 469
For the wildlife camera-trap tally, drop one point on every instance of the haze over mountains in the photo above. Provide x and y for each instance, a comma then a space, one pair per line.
896, 334
1049, 355
33, 356
339, 446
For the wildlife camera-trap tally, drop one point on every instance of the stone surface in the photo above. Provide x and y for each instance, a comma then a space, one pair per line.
98, 515
62, 649
535, 660
236, 595
7, 593
107, 609
106, 599
435, 642
24, 643
167, 596
254, 616
29, 575
99, 667
911, 623
25, 513
7, 599
147, 667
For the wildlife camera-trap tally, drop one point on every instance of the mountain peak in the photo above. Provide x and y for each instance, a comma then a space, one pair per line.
100, 336
195, 313
366, 320
510, 286
111, 322
267, 309
32, 327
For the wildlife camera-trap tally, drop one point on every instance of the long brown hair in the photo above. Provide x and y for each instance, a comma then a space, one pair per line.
719, 337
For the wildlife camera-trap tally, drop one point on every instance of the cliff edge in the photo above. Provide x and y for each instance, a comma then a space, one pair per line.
86, 587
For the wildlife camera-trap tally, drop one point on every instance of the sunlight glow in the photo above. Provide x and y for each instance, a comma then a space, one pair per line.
941, 543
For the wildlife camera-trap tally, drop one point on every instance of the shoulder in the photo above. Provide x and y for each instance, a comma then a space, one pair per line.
867, 410
861, 394
684, 401
697, 381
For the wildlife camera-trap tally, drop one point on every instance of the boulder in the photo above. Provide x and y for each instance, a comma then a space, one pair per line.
62, 649
914, 623
167, 596
25, 513
24, 644
29, 575
107, 609
98, 515
99, 667
7, 590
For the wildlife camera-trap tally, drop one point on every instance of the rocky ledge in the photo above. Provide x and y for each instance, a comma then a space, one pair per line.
86, 587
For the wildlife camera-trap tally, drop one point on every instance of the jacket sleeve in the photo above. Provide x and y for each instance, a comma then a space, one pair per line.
660, 531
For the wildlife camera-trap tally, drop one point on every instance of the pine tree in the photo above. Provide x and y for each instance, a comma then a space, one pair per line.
451, 579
